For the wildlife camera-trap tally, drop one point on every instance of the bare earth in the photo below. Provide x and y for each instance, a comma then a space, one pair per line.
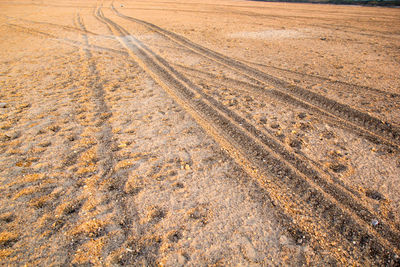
199, 133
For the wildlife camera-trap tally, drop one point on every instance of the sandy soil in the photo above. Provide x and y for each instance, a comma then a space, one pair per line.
199, 133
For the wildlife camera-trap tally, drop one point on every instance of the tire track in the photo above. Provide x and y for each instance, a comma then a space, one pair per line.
74, 43
247, 145
109, 183
383, 131
64, 27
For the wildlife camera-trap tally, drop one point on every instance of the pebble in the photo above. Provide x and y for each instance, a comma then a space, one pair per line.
13, 135
263, 120
375, 222
302, 115
374, 195
274, 125
338, 167
283, 240
295, 143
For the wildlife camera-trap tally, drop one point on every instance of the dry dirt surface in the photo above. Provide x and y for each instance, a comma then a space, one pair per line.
198, 133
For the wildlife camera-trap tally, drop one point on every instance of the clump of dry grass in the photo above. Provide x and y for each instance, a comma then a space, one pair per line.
8, 238
86, 170
41, 201
7, 217
26, 191
28, 178
124, 164
6, 125
85, 142
89, 157
154, 215
133, 185
67, 208
5, 253
90, 252
91, 228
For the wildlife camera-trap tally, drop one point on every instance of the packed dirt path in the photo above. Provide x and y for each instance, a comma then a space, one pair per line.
199, 133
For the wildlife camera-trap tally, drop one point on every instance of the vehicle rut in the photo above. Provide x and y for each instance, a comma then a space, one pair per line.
110, 180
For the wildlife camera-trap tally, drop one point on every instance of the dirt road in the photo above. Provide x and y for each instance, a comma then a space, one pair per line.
199, 133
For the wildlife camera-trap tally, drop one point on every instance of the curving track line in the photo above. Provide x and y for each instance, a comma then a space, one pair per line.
106, 143
71, 42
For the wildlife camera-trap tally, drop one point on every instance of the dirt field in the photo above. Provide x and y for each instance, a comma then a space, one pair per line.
199, 133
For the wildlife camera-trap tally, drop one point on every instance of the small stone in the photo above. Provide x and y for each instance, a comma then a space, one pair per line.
338, 167
13, 135
323, 38
3, 105
179, 185
283, 240
174, 236
328, 135
304, 127
122, 145
302, 115
263, 120
274, 125
374, 222
295, 143
374, 194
